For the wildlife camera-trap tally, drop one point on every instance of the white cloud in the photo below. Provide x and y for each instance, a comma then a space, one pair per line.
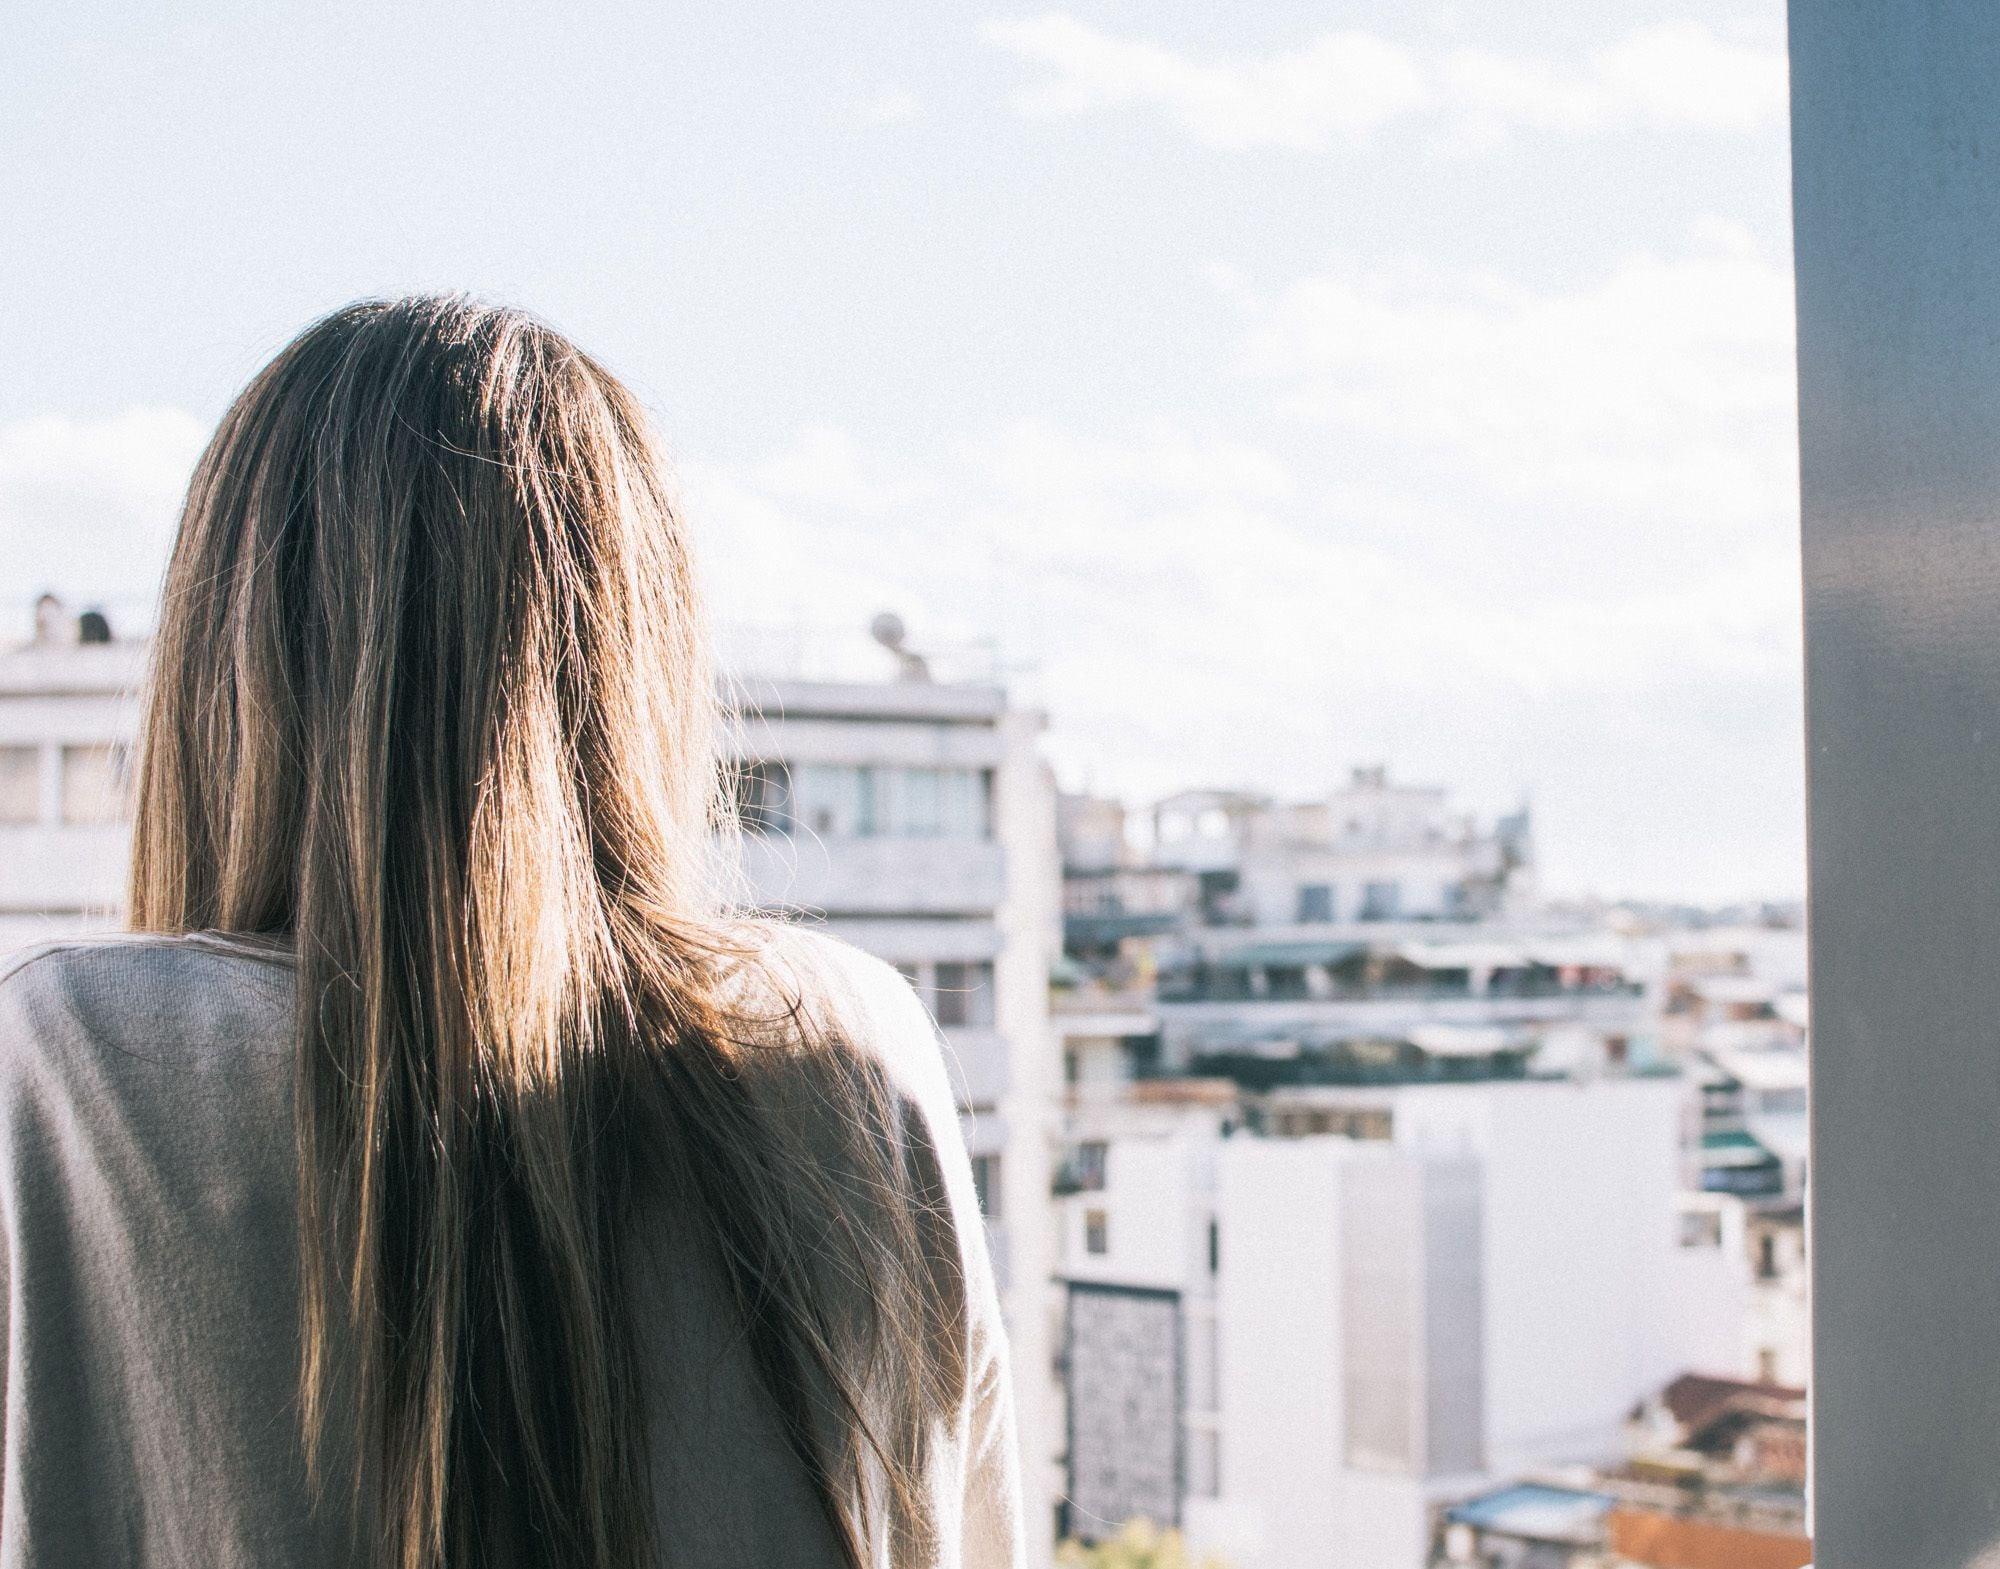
1339, 85
1664, 389
1501, 535
1190, 611
1675, 74
1342, 87
88, 506
891, 106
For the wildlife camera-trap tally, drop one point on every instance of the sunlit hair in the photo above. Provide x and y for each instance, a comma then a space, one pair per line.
431, 706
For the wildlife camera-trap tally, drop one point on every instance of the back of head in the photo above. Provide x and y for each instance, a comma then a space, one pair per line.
431, 704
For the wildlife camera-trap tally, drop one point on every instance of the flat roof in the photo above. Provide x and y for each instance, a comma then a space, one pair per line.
930, 701
73, 669
115, 669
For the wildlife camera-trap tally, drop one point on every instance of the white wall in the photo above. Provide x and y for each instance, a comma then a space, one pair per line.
1288, 1500
1030, 921
1150, 1201
1589, 1304
1277, 1306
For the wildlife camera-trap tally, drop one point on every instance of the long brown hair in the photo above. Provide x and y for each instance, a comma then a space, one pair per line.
431, 706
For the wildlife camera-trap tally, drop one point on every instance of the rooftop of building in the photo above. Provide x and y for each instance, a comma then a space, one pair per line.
70, 654
1696, 1400
931, 702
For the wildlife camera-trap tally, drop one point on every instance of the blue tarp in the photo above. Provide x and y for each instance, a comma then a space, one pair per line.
1534, 1513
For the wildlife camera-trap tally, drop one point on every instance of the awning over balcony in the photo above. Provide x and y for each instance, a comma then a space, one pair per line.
1463, 955
1288, 955
1466, 1040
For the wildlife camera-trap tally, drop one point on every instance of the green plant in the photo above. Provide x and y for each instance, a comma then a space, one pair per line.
1139, 1544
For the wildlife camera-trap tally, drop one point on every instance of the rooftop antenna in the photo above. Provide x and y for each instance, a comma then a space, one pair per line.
888, 630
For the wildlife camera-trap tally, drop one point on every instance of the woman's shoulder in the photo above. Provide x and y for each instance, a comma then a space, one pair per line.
850, 995
63, 963
150, 994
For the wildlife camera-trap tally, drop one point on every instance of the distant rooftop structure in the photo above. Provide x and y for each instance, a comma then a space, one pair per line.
1698, 1401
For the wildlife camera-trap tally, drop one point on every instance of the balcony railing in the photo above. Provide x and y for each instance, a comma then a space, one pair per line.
1175, 989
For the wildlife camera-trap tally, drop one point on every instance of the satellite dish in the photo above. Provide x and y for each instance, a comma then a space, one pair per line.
888, 630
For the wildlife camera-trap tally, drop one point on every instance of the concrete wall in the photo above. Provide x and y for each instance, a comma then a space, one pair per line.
1896, 130
1277, 1307
1588, 1307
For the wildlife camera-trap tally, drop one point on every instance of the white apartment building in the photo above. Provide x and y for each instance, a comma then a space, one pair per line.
1297, 1348
915, 819
1289, 992
1370, 850
67, 717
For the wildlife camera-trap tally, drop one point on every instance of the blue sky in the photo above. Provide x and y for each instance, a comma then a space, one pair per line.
1281, 387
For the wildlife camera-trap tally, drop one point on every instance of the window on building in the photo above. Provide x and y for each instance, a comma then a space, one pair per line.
963, 993
94, 784
831, 800
1315, 902
1096, 1232
849, 801
933, 803
20, 784
1214, 1245
764, 797
1381, 901
1286, 982
1092, 1158
986, 1184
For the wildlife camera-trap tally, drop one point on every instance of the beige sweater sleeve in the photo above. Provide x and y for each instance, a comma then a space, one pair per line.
877, 1005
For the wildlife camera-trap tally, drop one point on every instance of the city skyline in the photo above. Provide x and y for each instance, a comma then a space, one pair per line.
1278, 393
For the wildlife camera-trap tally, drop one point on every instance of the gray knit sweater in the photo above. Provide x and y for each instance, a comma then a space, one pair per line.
149, 1253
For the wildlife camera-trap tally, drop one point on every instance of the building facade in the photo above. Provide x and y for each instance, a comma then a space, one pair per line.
68, 713
1336, 1334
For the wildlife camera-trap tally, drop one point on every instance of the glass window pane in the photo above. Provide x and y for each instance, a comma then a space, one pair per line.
963, 813
94, 784
986, 1184
964, 993
919, 811
829, 799
1381, 901
871, 806
20, 784
764, 797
